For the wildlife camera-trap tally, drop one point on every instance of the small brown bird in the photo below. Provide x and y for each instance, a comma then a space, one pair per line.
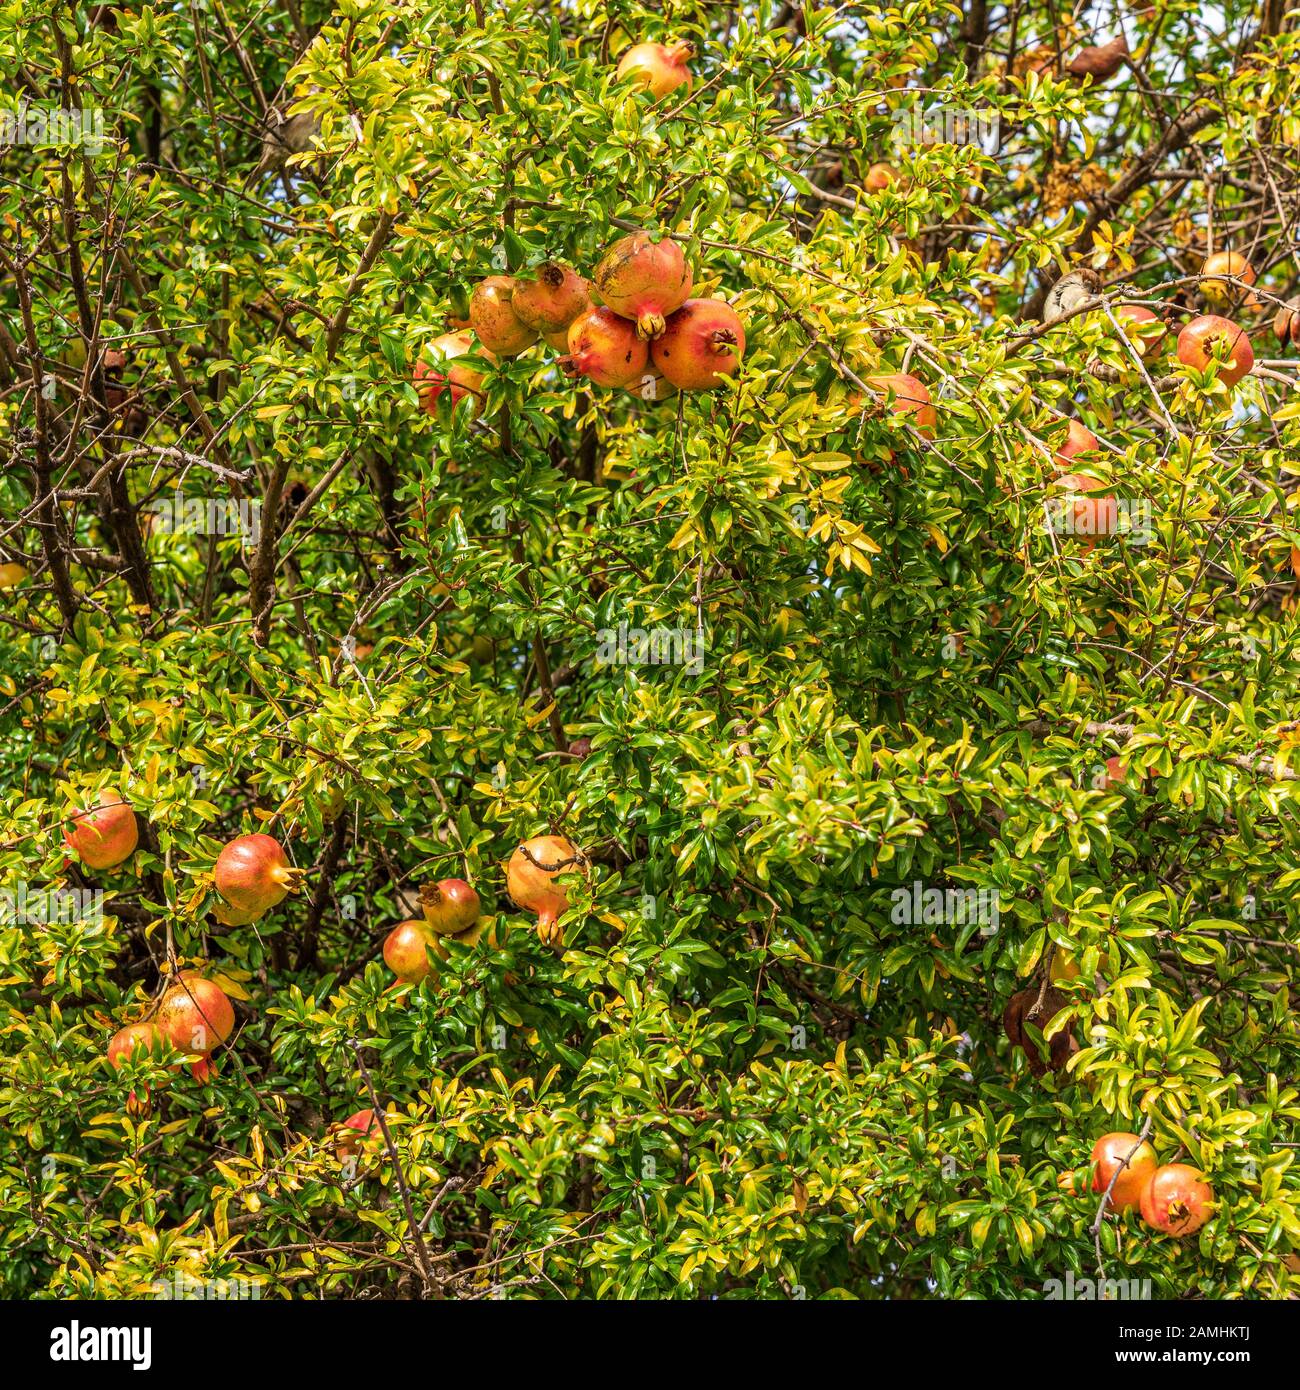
1069, 292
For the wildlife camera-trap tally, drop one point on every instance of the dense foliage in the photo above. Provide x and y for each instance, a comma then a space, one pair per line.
751, 1068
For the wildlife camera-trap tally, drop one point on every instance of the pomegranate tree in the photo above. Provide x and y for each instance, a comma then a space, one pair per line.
644, 280
701, 345
253, 874
531, 880
104, 836
605, 348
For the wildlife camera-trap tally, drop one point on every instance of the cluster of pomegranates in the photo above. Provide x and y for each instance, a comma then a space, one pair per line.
634, 325
194, 1015
1172, 1197
451, 907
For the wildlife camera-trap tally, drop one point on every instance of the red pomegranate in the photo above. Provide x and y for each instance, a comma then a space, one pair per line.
406, 950
1145, 337
359, 1130
460, 379
450, 906
1177, 1200
203, 1069
1079, 439
644, 280
494, 320
195, 1015
909, 397
530, 880
1199, 338
550, 303
605, 348
701, 345
657, 68
253, 874
133, 1042
1286, 324
1089, 516
104, 836
1111, 1154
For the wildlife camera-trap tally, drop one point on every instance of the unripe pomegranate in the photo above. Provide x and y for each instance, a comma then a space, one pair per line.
644, 280
1108, 1155
105, 836
449, 906
195, 1015
605, 348
530, 880
657, 68
1079, 439
494, 320
253, 874
1177, 1200
910, 397
701, 345
551, 302
1147, 337
11, 575
406, 950
1198, 339
1223, 292
448, 375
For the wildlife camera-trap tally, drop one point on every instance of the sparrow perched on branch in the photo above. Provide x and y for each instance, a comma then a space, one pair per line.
1069, 292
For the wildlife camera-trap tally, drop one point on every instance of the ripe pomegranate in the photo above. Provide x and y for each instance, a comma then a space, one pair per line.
494, 320
253, 874
1150, 328
559, 340
1116, 772
406, 950
133, 1042
644, 280
657, 68
461, 380
530, 880
195, 1015
1108, 1155
359, 1130
1223, 292
1089, 516
910, 397
551, 302
1079, 439
450, 905
1177, 1200
605, 348
104, 836
1198, 339
701, 345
